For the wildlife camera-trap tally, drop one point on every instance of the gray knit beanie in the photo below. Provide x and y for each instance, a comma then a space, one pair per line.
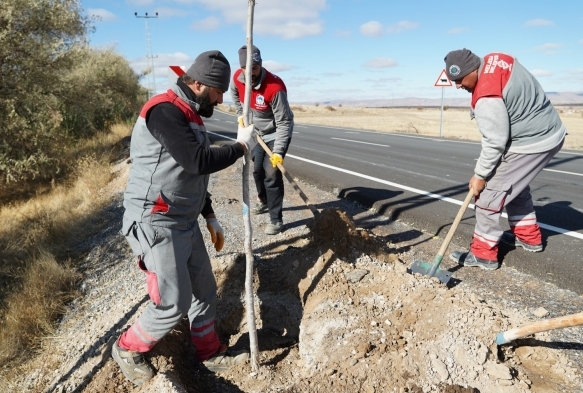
256, 57
212, 69
459, 63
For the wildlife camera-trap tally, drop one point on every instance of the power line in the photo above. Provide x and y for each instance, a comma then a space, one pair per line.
149, 56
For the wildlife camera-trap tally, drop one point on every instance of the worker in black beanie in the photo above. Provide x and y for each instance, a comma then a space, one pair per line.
274, 121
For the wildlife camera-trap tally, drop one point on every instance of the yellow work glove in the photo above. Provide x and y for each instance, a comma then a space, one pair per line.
217, 233
276, 159
240, 121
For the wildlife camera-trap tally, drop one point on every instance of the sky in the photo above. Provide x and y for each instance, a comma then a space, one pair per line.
347, 49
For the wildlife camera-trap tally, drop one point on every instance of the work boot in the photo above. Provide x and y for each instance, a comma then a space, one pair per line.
226, 358
512, 240
132, 364
259, 208
469, 259
274, 228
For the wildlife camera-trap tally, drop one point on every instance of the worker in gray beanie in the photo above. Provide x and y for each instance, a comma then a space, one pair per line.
212, 69
459, 63
521, 132
274, 122
166, 193
255, 57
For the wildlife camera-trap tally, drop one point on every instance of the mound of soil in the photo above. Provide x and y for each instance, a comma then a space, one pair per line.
336, 311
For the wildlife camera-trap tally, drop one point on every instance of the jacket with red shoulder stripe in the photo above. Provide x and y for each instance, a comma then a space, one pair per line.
512, 111
160, 191
270, 111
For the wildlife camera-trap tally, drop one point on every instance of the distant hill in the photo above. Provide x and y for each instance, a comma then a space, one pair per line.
556, 98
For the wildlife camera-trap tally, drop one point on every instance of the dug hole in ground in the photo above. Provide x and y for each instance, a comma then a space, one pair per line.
336, 311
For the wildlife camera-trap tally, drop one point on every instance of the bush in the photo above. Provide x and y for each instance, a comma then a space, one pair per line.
54, 89
330, 108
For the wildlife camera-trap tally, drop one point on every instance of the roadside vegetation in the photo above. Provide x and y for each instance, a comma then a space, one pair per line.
65, 113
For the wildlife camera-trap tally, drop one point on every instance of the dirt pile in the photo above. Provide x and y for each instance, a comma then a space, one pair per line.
336, 311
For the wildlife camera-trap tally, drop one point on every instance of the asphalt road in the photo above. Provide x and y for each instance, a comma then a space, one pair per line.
423, 180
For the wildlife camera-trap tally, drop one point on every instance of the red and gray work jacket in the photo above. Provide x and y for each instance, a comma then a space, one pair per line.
159, 191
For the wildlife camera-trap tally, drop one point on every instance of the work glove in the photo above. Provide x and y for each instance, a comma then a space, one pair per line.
246, 136
276, 159
240, 121
217, 233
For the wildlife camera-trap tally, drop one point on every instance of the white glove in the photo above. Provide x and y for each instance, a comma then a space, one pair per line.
217, 233
246, 136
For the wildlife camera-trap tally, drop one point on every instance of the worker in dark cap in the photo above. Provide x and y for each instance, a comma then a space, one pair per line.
521, 132
165, 194
274, 122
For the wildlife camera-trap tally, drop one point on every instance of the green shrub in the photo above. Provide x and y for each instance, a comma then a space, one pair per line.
54, 88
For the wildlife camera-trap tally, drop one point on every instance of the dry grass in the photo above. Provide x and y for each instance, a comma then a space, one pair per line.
38, 240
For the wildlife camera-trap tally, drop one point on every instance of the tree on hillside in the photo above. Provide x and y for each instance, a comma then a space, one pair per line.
54, 88
38, 39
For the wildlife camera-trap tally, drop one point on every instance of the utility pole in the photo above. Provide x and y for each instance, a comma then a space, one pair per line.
149, 56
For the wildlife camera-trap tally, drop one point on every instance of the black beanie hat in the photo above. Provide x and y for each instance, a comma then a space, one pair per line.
212, 69
255, 58
459, 63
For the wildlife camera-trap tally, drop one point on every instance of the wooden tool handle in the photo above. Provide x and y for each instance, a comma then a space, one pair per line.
288, 177
456, 222
540, 326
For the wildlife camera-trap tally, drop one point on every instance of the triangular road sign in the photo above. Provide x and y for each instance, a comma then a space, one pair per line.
443, 80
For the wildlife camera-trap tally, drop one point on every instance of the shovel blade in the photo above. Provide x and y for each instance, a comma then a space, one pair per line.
424, 268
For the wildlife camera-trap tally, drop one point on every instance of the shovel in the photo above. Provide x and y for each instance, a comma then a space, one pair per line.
539, 326
433, 270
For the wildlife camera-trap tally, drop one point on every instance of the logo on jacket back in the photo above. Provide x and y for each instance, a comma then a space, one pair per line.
492, 62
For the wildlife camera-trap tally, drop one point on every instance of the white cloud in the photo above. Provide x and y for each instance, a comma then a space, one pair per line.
101, 15
347, 33
274, 66
539, 72
371, 29
162, 74
167, 12
301, 81
381, 62
402, 26
384, 81
538, 23
140, 2
548, 49
457, 30
283, 18
208, 24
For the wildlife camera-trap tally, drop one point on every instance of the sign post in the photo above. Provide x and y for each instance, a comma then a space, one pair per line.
443, 81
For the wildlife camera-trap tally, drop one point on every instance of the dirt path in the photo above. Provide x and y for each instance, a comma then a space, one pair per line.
337, 312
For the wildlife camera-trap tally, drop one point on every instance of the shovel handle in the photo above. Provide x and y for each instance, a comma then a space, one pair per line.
289, 177
456, 222
540, 326
445, 244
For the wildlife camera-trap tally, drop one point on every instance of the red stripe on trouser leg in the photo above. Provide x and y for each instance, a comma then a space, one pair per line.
135, 339
205, 340
529, 234
483, 250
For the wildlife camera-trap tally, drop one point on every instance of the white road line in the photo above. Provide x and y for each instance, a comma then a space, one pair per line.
366, 143
228, 121
418, 191
568, 173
